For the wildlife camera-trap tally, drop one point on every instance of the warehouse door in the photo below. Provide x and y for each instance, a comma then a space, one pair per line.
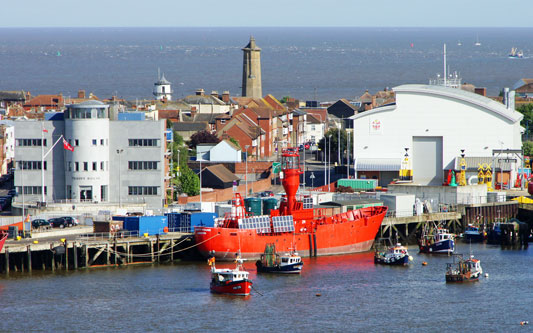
427, 160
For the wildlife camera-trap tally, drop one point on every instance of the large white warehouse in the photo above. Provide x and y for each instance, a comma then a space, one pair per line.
435, 123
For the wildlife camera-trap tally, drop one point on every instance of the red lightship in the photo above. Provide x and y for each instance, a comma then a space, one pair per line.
296, 225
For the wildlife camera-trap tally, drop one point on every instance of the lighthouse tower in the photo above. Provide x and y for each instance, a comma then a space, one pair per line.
162, 89
251, 72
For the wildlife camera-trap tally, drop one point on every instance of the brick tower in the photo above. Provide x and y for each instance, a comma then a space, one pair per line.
251, 71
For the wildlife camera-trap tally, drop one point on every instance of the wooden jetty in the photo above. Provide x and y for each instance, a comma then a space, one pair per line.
93, 250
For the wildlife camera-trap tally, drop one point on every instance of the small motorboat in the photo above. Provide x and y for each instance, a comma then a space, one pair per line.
473, 234
462, 270
395, 255
436, 240
230, 281
271, 262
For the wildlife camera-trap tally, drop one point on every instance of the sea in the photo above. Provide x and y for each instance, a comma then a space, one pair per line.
346, 293
322, 64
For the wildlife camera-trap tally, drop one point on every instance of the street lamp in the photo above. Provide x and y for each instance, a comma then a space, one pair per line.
246, 175
119, 153
312, 177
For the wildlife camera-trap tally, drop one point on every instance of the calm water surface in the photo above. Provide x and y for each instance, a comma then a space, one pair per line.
356, 295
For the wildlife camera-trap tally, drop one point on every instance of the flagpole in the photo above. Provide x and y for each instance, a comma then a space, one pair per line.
42, 163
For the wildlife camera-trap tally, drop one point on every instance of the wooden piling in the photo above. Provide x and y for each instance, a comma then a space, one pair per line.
7, 261
86, 251
171, 249
29, 258
75, 254
152, 250
107, 253
53, 262
158, 250
128, 257
66, 255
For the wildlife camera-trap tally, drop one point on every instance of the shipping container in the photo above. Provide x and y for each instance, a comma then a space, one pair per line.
203, 219
359, 184
151, 225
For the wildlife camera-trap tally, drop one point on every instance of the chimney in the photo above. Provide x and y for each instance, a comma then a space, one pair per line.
374, 102
481, 91
200, 92
225, 97
81, 93
193, 112
214, 93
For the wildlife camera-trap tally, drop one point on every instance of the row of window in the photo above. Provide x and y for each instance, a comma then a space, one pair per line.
143, 142
94, 142
143, 190
29, 142
85, 166
142, 165
85, 113
30, 165
29, 190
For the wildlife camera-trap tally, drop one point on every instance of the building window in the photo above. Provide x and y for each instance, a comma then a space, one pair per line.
76, 142
142, 165
143, 142
103, 193
76, 166
143, 190
69, 191
69, 166
101, 142
85, 166
102, 166
95, 142
222, 121
95, 166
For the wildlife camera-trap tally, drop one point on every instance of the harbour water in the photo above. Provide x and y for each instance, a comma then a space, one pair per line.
306, 63
356, 295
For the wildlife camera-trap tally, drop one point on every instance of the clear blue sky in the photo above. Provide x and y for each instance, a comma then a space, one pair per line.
267, 13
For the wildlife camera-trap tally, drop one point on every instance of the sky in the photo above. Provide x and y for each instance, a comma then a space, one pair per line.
267, 13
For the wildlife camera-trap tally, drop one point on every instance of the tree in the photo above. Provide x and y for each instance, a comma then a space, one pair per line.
528, 148
333, 132
202, 137
527, 111
188, 182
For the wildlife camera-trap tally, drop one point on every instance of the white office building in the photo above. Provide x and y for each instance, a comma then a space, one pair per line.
111, 161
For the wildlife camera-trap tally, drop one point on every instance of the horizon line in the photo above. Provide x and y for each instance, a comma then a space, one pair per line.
260, 27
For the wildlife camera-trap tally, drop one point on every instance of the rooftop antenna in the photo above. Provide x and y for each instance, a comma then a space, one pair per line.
444, 76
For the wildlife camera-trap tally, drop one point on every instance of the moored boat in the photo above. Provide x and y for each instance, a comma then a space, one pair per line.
473, 234
272, 262
462, 270
395, 255
230, 281
436, 239
296, 224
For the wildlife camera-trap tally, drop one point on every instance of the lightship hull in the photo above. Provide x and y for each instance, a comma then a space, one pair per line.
328, 239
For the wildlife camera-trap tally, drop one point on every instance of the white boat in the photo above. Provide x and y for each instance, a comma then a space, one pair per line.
477, 43
395, 255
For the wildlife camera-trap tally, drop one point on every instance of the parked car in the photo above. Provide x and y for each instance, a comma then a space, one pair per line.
266, 194
12, 192
58, 222
38, 223
71, 221
307, 146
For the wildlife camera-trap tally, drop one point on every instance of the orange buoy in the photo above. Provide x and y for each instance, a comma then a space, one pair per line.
424, 263
318, 295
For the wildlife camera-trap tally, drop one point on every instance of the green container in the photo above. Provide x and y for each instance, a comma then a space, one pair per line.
359, 184
253, 205
269, 204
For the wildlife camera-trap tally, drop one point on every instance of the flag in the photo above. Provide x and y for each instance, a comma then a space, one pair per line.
67, 145
27, 218
45, 130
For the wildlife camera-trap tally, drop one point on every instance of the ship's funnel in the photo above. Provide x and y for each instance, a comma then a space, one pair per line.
290, 164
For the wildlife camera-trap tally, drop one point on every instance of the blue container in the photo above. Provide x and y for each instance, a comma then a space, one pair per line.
185, 222
203, 219
118, 218
174, 221
151, 225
